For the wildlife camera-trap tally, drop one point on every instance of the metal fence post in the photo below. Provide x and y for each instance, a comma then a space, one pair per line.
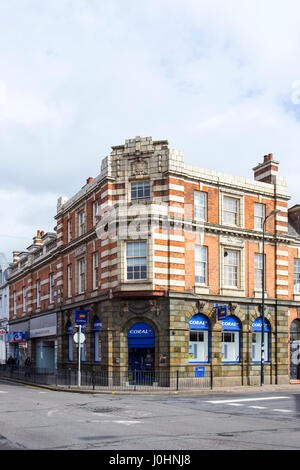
177, 380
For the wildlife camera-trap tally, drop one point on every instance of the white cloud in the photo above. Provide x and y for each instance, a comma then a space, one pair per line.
217, 79
2, 92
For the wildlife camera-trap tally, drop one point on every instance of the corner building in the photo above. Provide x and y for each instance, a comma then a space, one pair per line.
150, 247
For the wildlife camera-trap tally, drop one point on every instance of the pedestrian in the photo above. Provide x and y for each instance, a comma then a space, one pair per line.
11, 363
27, 366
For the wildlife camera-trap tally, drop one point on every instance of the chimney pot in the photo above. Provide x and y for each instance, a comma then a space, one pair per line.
89, 180
16, 258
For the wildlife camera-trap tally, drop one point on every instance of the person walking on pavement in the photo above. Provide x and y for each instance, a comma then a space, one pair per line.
27, 366
11, 363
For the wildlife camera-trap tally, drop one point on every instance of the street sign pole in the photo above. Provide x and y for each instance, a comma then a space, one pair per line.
79, 350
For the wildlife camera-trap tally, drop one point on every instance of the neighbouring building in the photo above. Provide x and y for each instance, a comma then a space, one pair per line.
149, 248
4, 308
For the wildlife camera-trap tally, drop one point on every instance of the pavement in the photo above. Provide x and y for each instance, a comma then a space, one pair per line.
239, 390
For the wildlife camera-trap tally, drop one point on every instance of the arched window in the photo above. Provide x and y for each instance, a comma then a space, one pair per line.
256, 339
70, 341
97, 342
199, 339
231, 339
295, 350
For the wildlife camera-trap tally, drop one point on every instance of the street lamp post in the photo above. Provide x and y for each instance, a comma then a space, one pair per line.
262, 371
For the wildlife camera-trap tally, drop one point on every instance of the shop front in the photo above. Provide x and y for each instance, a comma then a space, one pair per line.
43, 334
18, 346
141, 353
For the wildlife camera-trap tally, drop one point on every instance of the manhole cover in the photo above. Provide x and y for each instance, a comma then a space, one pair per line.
108, 409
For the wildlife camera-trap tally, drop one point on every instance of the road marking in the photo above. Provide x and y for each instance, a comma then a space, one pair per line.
216, 402
235, 404
50, 413
128, 423
258, 407
2, 392
283, 411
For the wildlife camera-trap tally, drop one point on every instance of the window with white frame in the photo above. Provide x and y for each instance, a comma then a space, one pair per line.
200, 264
15, 302
69, 230
230, 346
24, 299
258, 270
95, 271
200, 201
259, 216
256, 340
140, 191
81, 276
231, 339
95, 212
70, 341
231, 268
97, 340
136, 260
297, 276
51, 282
38, 293
231, 211
69, 280
81, 223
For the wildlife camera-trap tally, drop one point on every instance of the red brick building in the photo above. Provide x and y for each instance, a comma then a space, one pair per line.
149, 247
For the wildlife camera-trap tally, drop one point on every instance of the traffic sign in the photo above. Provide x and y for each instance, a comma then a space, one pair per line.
81, 317
79, 338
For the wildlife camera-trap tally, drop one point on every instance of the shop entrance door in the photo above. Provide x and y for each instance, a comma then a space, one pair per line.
141, 365
295, 350
141, 354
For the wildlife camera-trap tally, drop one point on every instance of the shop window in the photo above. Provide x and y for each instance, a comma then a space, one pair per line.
199, 339
70, 341
97, 341
256, 340
231, 340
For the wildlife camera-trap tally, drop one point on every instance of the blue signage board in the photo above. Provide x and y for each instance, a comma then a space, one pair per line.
257, 325
97, 325
141, 335
17, 336
200, 371
199, 322
81, 317
231, 324
221, 312
141, 330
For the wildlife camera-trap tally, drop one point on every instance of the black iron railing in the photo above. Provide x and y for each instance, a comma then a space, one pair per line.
154, 379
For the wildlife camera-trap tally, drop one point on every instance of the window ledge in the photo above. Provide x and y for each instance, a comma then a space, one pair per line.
201, 289
258, 294
232, 291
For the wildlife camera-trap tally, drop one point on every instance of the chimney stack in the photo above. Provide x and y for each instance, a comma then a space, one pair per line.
37, 240
267, 171
16, 258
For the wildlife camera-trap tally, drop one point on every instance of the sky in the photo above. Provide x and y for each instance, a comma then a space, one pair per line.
219, 80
